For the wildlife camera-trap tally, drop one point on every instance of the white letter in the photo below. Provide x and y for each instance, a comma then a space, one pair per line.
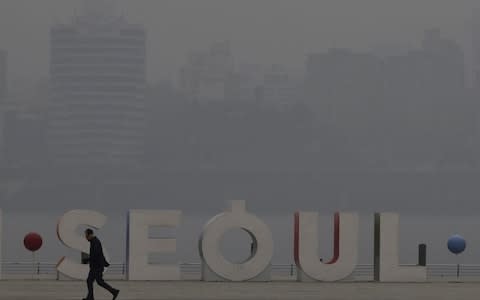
214, 263
140, 245
67, 233
306, 247
386, 263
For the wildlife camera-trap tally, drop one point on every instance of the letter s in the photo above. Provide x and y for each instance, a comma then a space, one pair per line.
67, 233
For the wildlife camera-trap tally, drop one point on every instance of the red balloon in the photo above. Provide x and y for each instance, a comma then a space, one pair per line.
33, 241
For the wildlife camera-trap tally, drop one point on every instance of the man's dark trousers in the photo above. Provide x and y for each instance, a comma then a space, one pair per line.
96, 274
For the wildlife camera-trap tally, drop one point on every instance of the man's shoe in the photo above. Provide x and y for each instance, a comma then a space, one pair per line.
115, 294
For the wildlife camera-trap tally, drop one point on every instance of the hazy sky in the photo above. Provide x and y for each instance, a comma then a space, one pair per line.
266, 31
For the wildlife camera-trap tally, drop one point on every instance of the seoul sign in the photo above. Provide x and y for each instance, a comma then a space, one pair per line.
215, 267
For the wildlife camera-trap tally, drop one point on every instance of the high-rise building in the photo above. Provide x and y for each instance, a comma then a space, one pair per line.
98, 85
205, 76
3, 74
279, 88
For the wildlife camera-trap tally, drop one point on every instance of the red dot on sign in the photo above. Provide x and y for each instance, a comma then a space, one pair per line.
33, 241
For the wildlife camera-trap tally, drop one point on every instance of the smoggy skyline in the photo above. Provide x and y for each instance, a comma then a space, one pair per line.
372, 126
266, 32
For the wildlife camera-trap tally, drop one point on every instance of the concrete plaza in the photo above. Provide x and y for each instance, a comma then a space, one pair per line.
66, 290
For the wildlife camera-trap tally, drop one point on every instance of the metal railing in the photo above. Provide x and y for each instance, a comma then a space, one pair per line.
192, 271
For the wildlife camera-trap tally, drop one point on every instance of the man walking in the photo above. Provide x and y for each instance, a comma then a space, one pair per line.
97, 264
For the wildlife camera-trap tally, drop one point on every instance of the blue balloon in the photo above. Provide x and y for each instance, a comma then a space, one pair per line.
457, 244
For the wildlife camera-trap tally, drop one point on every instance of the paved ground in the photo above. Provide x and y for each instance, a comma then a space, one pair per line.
51, 290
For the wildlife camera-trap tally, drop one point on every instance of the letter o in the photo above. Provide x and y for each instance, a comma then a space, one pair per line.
217, 227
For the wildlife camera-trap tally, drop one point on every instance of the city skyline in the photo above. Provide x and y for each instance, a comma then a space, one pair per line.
330, 128
170, 51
